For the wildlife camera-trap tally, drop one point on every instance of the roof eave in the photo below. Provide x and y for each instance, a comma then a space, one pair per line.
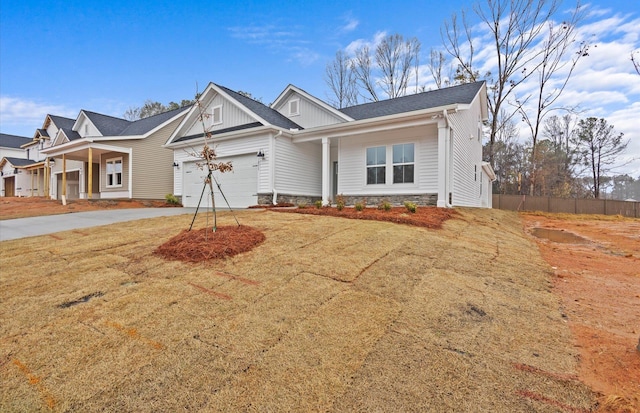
338, 129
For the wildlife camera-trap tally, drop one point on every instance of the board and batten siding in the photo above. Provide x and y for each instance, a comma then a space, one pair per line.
352, 162
310, 114
467, 156
226, 150
231, 116
298, 167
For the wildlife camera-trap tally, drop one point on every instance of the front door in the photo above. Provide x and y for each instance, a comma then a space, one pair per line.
334, 184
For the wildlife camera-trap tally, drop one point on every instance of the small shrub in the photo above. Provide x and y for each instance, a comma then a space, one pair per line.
318, 204
411, 206
172, 199
384, 205
340, 202
302, 205
359, 206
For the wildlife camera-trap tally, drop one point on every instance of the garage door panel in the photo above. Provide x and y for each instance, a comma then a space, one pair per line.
239, 186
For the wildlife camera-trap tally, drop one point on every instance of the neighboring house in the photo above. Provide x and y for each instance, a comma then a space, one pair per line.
100, 156
425, 148
11, 157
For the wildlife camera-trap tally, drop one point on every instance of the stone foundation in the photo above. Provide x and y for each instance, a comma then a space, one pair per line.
267, 199
396, 200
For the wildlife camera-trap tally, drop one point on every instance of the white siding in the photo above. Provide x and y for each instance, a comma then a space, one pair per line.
298, 168
231, 116
310, 114
352, 162
467, 157
250, 145
86, 128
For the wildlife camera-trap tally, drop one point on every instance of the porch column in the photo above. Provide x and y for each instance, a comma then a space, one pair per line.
38, 180
46, 177
32, 182
326, 171
443, 167
64, 176
90, 174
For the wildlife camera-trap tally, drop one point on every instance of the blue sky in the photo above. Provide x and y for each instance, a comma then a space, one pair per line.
60, 57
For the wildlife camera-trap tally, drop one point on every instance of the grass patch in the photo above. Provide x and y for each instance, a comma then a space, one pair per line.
325, 315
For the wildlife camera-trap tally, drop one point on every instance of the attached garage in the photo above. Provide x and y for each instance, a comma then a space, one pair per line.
240, 186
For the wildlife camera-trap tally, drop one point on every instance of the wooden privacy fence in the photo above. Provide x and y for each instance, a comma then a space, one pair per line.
566, 205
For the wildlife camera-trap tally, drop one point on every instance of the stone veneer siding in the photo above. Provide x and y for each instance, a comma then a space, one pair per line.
418, 199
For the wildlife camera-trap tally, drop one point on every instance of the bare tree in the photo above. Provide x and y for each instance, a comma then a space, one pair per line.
635, 61
515, 27
552, 74
598, 148
363, 72
438, 68
151, 108
395, 60
341, 81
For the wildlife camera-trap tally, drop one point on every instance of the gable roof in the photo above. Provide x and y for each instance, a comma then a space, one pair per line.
18, 162
272, 116
112, 126
461, 94
107, 125
62, 122
13, 141
290, 89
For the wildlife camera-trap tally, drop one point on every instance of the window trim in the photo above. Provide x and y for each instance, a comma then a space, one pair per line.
297, 107
375, 165
115, 174
213, 115
412, 163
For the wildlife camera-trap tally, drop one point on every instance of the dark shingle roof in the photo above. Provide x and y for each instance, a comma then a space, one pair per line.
107, 125
221, 131
43, 132
13, 141
112, 126
71, 134
19, 161
142, 126
462, 94
62, 122
270, 115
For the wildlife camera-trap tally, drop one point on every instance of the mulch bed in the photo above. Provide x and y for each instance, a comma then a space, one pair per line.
204, 244
427, 217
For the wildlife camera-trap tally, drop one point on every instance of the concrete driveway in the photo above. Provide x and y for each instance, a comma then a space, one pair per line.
30, 227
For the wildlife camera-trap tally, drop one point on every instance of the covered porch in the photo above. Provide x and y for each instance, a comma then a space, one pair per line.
100, 170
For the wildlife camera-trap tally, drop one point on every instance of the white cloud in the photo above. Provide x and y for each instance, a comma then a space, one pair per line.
350, 25
358, 43
24, 116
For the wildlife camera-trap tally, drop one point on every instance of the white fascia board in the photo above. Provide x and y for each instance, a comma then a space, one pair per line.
486, 166
240, 105
315, 100
228, 136
163, 124
382, 123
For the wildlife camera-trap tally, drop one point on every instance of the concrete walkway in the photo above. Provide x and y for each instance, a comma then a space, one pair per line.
30, 227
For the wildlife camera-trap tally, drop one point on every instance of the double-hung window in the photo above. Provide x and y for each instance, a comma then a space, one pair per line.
114, 172
403, 163
376, 165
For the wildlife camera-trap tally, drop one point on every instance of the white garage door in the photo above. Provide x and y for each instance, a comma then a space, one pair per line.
240, 186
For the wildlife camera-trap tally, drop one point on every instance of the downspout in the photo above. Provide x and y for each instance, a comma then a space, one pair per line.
272, 167
447, 169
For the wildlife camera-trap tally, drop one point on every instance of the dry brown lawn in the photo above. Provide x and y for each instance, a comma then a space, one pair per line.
327, 314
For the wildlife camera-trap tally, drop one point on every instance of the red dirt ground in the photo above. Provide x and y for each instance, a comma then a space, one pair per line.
599, 284
15, 207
